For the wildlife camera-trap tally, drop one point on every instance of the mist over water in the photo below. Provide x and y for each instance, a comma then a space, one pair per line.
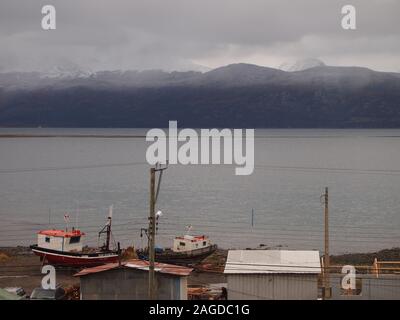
46, 177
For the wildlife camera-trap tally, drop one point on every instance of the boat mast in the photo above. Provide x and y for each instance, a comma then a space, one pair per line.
109, 228
77, 215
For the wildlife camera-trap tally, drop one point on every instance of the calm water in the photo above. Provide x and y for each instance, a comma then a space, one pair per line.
49, 176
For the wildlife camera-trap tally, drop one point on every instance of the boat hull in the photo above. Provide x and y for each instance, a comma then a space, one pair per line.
183, 258
74, 259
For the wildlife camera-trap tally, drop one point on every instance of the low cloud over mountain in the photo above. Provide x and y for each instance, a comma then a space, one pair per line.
238, 95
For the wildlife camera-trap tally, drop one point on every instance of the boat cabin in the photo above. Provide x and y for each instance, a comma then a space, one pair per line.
190, 243
60, 240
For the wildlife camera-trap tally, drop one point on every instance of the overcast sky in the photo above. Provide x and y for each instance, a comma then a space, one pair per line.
187, 34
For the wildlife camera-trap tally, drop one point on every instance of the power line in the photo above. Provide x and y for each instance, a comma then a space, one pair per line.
40, 169
121, 228
261, 166
219, 223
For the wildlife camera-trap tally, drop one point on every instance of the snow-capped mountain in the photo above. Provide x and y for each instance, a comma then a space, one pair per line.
301, 65
238, 95
70, 71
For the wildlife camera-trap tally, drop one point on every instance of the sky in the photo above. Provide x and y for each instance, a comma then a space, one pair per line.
181, 35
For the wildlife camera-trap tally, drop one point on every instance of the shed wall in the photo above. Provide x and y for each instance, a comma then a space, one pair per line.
272, 286
130, 284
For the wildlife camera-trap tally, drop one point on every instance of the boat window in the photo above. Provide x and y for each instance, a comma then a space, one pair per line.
182, 244
47, 239
74, 239
204, 243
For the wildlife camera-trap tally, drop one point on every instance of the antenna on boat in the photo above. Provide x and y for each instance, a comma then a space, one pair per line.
77, 214
110, 212
66, 219
49, 218
188, 229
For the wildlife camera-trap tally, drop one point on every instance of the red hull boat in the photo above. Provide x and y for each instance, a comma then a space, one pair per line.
78, 259
64, 248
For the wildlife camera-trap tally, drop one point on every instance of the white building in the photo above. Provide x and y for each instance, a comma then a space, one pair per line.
272, 274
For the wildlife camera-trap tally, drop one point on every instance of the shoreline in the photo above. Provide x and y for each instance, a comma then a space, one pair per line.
19, 267
363, 257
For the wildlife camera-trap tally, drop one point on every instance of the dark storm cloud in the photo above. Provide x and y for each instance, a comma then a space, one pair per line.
180, 34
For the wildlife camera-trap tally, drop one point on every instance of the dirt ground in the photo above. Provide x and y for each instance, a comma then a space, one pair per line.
19, 267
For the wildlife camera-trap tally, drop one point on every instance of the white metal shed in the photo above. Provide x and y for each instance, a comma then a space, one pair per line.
272, 274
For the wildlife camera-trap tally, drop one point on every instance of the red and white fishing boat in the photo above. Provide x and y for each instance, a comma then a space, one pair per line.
65, 248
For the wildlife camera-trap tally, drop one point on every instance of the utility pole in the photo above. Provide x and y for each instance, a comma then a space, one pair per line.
152, 226
327, 286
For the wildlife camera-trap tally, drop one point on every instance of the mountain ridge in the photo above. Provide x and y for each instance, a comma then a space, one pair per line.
229, 75
237, 95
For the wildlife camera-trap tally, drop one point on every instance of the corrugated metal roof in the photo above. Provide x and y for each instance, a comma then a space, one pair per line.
101, 268
272, 261
140, 265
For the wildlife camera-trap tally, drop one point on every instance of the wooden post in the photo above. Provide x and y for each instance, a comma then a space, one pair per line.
327, 286
152, 229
